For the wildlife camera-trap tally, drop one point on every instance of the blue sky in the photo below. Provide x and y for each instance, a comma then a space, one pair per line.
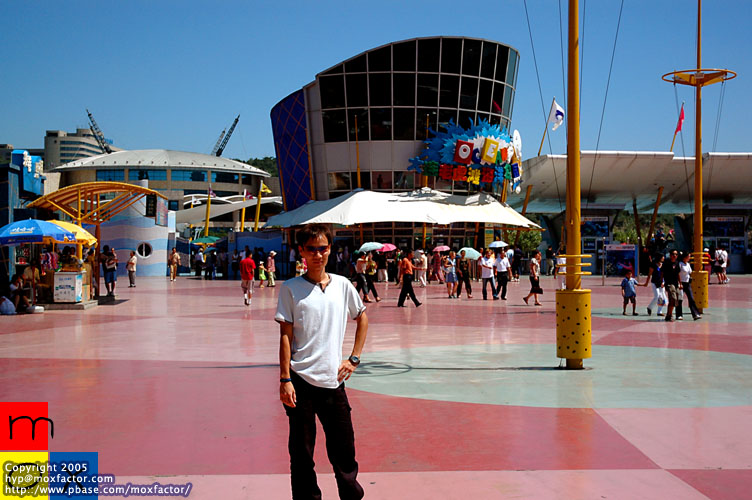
173, 74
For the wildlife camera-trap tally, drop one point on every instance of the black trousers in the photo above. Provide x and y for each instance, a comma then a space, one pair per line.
407, 291
501, 284
362, 284
371, 287
464, 278
333, 410
687, 287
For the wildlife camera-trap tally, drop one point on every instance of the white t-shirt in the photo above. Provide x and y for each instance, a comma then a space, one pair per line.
502, 263
510, 254
319, 318
486, 272
685, 271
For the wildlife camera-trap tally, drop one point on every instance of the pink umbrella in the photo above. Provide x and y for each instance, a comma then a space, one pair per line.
388, 247
442, 248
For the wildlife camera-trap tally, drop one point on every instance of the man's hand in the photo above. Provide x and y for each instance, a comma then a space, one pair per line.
345, 370
287, 394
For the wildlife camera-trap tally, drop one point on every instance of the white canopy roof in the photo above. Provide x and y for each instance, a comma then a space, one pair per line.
162, 158
423, 205
197, 214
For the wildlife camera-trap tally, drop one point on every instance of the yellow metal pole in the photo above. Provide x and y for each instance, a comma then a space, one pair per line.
242, 213
699, 276
258, 206
637, 227
573, 323
208, 212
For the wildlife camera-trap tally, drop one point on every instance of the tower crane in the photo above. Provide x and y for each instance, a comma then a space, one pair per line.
219, 141
98, 135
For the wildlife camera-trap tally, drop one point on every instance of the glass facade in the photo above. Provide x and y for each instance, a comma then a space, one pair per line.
188, 176
111, 175
152, 175
224, 177
392, 90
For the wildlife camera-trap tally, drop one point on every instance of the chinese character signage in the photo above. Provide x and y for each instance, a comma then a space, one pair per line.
481, 154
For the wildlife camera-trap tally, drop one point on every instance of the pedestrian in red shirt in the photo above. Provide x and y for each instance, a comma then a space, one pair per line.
247, 269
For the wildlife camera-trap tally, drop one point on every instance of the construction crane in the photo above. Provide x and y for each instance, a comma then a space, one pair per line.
219, 150
219, 141
98, 135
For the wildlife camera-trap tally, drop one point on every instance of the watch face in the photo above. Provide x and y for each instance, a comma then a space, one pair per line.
355, 360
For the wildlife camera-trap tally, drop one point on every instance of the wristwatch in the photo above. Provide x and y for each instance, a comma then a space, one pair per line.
354, 360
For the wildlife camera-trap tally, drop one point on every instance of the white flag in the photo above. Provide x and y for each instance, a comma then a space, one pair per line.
556, 115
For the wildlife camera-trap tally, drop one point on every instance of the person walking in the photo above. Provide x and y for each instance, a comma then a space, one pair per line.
685, 281
450, 274
109, 264
271, 268
550, 263
721, 256
198, 261
130, 266
360, 276
422, 268
436, 272
247, 272
535, 288
516, 262
235, 264
655, 278
371, 268
671, 284
503, 274
406, 276
486, 273
628, 293
174, 263
463, 275
312, 312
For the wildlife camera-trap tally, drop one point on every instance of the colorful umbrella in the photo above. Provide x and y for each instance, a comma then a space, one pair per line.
34, 231
206, 240
81, 235
441, 248
470, 253
370, 246
388, 247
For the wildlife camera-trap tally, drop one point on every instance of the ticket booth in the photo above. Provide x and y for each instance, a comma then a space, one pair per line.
727, 232
595, 232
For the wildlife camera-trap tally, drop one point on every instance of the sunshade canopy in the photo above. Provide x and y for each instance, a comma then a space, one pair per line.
422, 205
34, 231
82, 235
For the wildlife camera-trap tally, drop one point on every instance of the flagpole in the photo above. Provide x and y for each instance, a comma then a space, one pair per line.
208, 211
258, 206
242, 212
545, 130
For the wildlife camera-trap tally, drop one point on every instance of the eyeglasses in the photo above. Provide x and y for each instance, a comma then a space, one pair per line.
313, 249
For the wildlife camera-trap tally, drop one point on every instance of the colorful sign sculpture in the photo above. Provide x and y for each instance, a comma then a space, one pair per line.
481, 154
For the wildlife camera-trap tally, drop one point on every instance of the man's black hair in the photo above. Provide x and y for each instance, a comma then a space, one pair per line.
312, 231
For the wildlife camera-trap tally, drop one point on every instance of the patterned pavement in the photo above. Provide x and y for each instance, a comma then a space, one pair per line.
457, 399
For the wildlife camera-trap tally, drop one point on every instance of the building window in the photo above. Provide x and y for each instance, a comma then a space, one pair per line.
451, 54
248, 179
428, 55
143, 174
425, 119
484, 95
403, 55
501, 63
471, 57
466, 119
144, 250
173, 205
380, 59
450, 89
380, 89
362, 118
339, 181
381, 180
365, 180
469, 93
428, 90
445, 115
404, 180
357, 65
488, 60
404, 89
507, 108
404, 124
110, 175
332, 90
357, 90
381, 124
511, 67
188, 176
498, 97
224, 177
335, 128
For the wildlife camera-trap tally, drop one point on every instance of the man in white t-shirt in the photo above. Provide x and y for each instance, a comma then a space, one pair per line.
312, 312
503, 274
721, 256
486, 273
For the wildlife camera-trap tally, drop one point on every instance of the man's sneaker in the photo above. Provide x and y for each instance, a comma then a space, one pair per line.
245, 300
650, 312
680, 318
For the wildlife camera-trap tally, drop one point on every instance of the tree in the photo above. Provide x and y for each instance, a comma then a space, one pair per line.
267, 164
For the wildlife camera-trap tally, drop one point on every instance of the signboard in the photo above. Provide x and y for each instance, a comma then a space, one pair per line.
620, 259
151, 205
160, 218
723, 226
594, 227
481, 154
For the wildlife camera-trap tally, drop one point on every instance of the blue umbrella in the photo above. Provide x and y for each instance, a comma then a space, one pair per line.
498, 244
370, 247
470, 253
34, 231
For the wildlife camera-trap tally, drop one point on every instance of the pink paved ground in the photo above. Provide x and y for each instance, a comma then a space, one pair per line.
181, 380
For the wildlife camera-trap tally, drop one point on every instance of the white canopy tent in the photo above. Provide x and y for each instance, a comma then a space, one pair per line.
422, 205
197, 214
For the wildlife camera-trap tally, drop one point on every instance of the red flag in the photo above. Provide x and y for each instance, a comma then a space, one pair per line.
212, 194
681, 120
496, 106
248, 196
